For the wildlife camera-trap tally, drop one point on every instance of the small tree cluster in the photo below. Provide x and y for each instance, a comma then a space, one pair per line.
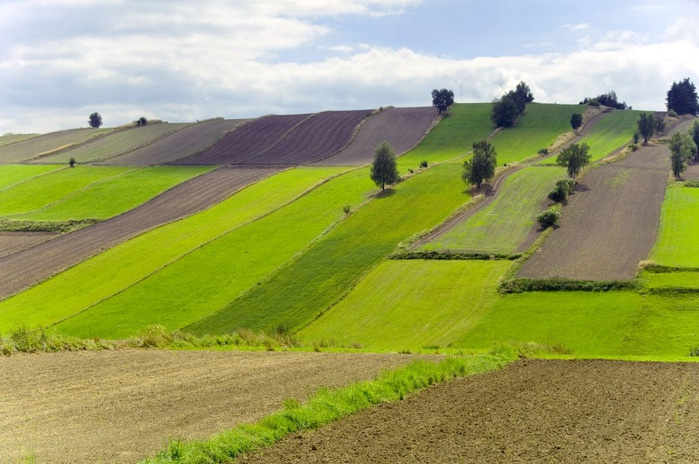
510, 106
607, 99
574, 158
442, 100
383, 170
646, 126
682, 98
481, 167
562, 190
576, 120
549, 218
682, 149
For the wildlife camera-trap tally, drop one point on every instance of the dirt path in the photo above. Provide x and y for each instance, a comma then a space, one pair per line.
530, 412
121, 406
31, 265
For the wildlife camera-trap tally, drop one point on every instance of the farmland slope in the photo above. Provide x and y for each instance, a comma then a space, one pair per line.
34, 146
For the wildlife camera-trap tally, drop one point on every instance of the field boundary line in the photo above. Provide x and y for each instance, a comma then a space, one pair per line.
33, 177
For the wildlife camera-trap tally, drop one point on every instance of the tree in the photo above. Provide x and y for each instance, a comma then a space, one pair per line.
682, 148
95, 120
504, 112
682, 98
607, 99
694, 133
646, 126
142, 121
574, 158
521, 96
442, 99
576, 120
481, 167
383, 169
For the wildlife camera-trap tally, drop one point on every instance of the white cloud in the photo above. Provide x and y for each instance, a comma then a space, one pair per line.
576, 27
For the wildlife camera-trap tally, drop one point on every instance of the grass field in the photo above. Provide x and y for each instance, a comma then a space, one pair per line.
14, 174
537, 128
113, 195
685, 279
211, 276
615, 130
503, 226
329, 269
678, 238
408, 304
120, 267
452, 137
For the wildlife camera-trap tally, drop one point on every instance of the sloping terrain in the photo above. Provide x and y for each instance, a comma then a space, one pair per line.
248, 140
12, 242
35, 146
533, 411
32, 265
14, 138
402, 128
186, 142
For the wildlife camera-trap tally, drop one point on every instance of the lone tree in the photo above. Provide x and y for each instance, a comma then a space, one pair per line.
682, 148
576, 121
142, 121
574, 158
682, 98
646, 126
442, 100
481, 167
383, 169
510, 106
95, 120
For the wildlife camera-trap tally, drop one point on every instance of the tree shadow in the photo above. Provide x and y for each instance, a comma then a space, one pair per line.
386, 193
581, 188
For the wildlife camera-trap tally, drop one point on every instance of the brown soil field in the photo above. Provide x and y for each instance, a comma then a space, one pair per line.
247, 140
12, 242
610, 223
30, 148
29, 266
403, 128
121, 406
316, 138
533, 411
186, 142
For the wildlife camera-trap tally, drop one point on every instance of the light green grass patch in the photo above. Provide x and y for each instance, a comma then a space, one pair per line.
121, 266
537, 128
211, 276
678, 239
655, 280
41, 191
114, 195
503, 226
13, 174
613, 131
410, 304
452, 137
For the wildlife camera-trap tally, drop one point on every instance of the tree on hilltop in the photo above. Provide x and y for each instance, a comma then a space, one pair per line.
510, 106
384, 170
682, 98
481, 167
574, 158
442, 100
95, 120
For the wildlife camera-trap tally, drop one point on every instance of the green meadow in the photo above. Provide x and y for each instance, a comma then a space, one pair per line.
678, 238
14, 174
503, 226
615, 130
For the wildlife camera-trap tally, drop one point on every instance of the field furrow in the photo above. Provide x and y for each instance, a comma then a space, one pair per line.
35, 146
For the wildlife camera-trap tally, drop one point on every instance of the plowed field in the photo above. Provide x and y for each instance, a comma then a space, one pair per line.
246, 141
531, 412
11, 242
29, 266
186, 142
121, 406
28, 149
403, 128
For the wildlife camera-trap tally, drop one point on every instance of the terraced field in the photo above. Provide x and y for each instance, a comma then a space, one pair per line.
613, 132
14, 174
43, 144
14, 138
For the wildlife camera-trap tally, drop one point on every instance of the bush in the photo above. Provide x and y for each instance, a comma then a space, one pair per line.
672, 113
548, 218
543, 151
560, 192
346, 209
423, 164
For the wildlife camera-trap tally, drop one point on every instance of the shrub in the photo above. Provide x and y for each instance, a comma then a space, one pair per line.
548, 218
567, 184
346, 209
423, 164
560, 192
694, 351
71, 162
543, 151
672, 113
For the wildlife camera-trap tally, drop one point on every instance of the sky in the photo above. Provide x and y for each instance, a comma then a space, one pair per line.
181, 61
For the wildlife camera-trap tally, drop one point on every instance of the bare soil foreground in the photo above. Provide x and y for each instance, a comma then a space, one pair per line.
31, 265
534, 411
121, 406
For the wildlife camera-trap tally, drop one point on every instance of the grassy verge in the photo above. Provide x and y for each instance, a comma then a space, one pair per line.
56, 227
325, 406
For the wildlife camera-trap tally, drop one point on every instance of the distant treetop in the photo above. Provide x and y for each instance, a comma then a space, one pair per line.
95, 120
606, 99
442, 99
682, 98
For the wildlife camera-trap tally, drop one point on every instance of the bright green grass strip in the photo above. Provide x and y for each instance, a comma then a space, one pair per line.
44, 190
123, 265
537, 128
504, 225
678, 239
613, 131
411, 304
326, 406
452, 137
212, 276
115, 144
318, 278
13, 174
115, 195
671, 280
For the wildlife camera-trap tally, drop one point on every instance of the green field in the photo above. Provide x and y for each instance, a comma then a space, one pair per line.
615, 130
503, 226
453, 137
684, 279
409, 304
209, 277
113, 195
14, 174
678, 238
122, 266
537, 128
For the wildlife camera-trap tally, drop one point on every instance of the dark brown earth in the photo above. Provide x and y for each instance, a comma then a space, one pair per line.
403, 128
32, 265
121, 406
12, 242
531, 412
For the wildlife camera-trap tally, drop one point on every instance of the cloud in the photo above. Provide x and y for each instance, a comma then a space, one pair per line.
576, 27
